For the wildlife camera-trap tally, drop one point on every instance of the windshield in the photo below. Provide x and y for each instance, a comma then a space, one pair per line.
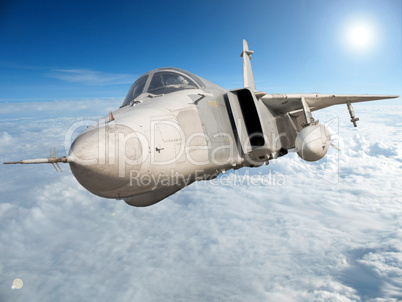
136, 89
165, 82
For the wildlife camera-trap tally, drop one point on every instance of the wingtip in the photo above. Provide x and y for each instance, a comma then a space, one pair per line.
390, 96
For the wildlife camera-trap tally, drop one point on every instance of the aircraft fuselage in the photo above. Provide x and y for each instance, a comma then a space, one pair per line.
158, 144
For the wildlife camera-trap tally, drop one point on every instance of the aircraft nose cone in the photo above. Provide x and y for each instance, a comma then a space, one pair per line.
101, 159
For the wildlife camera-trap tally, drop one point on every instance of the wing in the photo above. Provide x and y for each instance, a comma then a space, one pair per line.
297, 104
292, 103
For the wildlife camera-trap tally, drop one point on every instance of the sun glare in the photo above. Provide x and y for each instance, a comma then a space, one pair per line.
360, 36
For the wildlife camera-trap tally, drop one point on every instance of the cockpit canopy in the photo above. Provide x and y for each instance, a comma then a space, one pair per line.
163, 81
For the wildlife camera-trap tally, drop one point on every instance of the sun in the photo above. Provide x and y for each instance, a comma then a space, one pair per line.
360, 36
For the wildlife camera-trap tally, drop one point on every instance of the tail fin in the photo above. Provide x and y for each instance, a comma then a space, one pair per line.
248, 78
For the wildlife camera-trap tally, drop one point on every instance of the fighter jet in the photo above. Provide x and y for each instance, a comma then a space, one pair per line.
175, 128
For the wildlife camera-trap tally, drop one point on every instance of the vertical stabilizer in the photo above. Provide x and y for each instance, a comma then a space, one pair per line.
248, 78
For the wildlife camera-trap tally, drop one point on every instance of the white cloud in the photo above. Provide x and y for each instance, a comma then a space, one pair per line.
305, 240
91, 77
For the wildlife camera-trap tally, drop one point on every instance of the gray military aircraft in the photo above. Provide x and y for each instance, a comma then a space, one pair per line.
175, 128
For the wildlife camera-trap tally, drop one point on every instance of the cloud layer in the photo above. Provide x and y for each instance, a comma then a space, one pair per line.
326, 232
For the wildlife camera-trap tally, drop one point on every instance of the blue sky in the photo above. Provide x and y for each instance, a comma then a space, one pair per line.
55, 50
305, 238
